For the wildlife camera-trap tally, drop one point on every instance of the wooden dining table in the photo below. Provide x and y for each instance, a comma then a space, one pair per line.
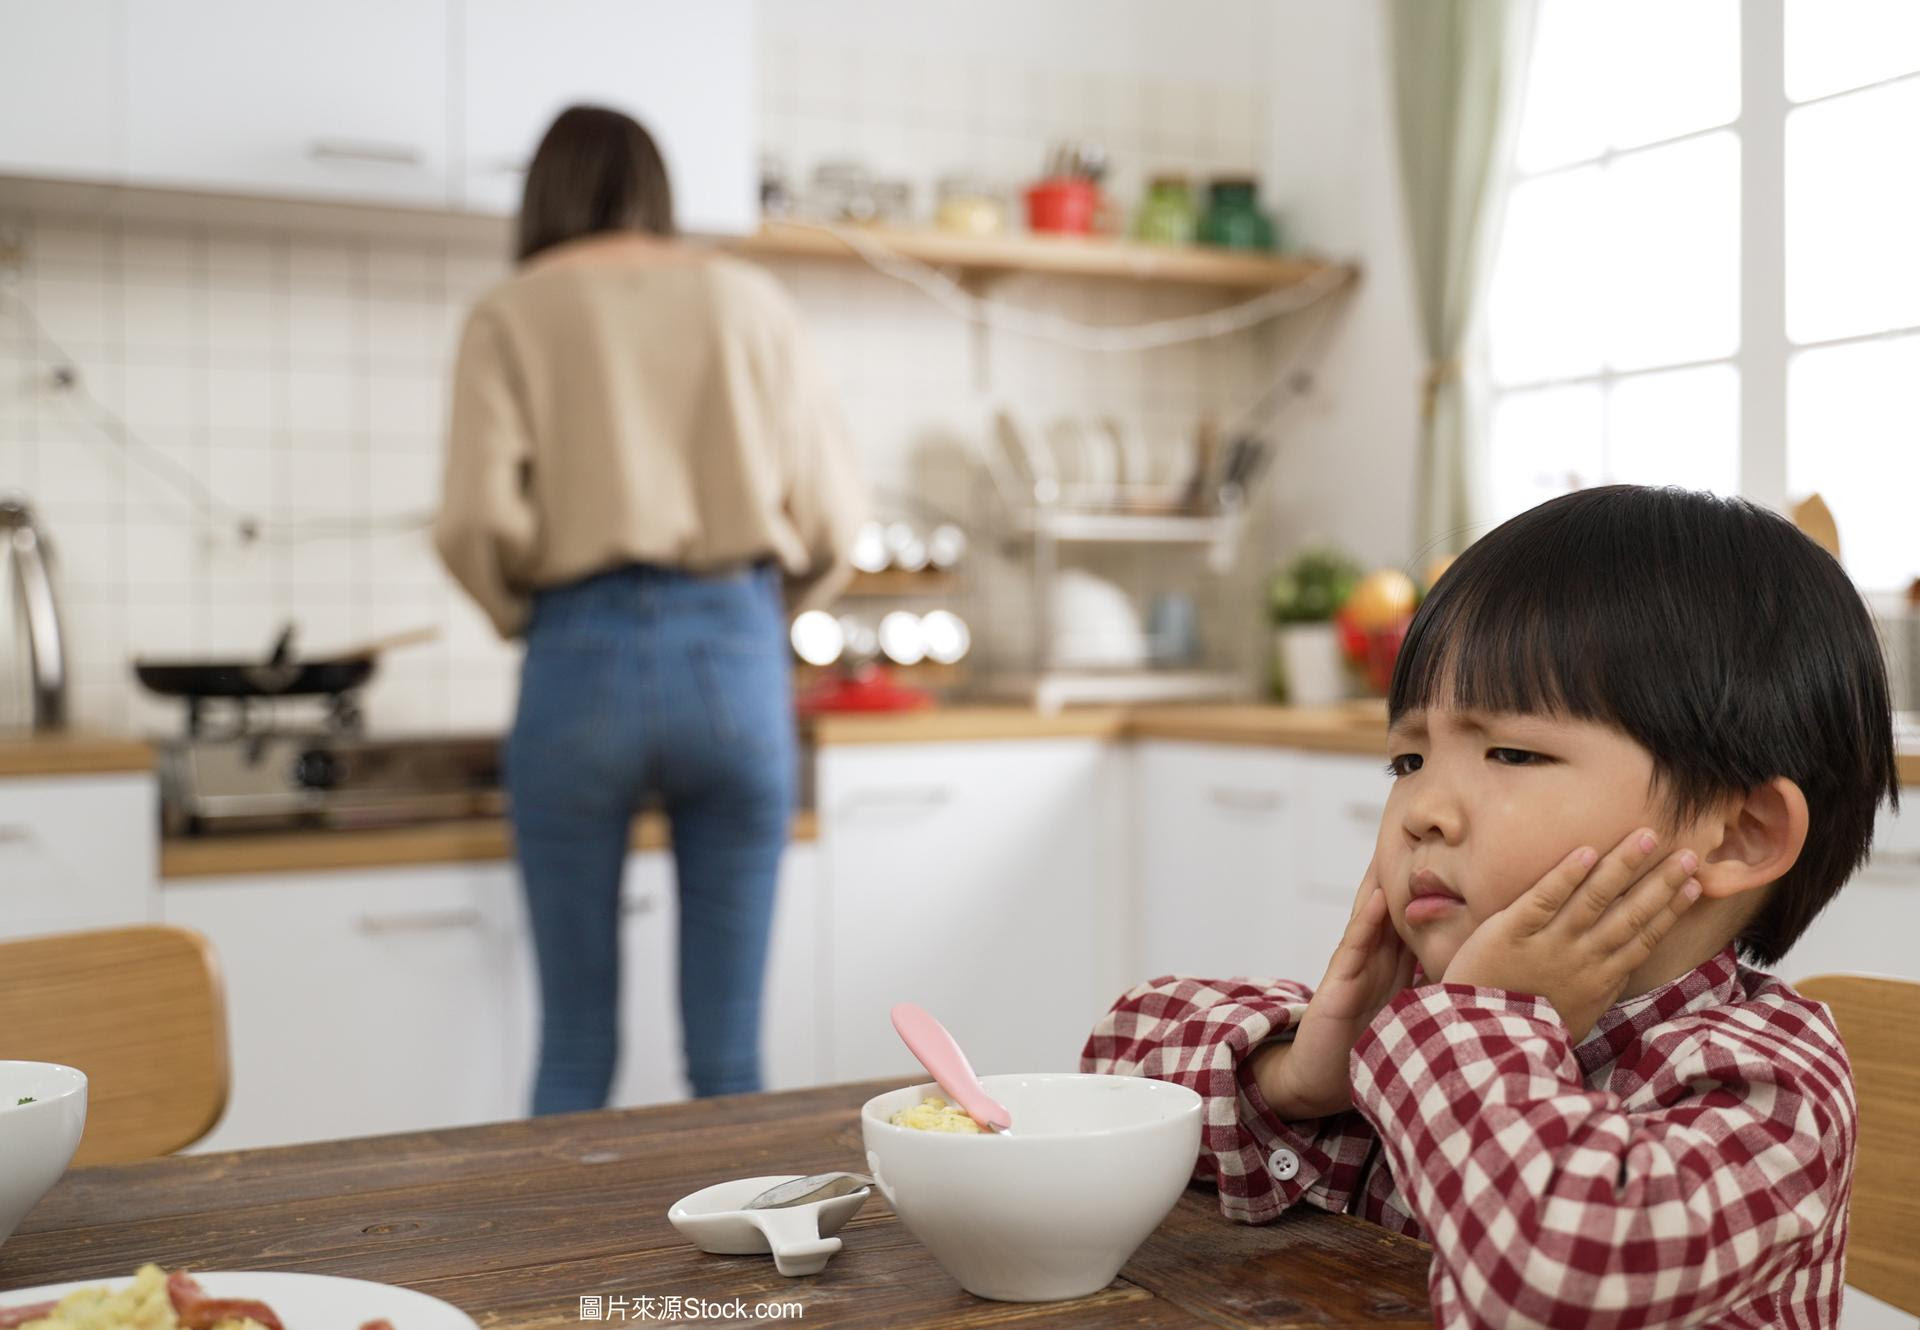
517, 1222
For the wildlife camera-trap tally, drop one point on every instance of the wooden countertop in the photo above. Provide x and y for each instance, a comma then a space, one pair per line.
513, 1222
468, 841
72, 753
1352, 727
1358, 726
946, 724
1347, 727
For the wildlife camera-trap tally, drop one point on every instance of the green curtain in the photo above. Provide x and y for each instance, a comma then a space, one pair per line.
1458, 73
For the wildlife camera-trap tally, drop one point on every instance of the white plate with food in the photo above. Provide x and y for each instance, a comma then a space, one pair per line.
152, 1299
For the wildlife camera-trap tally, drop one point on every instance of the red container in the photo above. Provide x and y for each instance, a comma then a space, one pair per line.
1065, 204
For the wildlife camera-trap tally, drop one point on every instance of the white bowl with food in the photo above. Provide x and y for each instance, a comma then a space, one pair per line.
1053, 1208
43, 1110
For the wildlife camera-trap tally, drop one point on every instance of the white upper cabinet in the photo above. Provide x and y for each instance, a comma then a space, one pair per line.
345, 100
63, 88
684, 71
423, 104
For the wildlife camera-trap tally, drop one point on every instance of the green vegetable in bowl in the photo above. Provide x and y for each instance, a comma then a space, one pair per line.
24, 1099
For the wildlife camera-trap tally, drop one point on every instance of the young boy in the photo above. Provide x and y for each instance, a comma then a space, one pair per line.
1636, 734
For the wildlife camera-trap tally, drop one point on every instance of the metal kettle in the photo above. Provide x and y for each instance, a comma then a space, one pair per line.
36, 615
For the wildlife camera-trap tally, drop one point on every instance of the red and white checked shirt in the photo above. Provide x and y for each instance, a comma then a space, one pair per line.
1687, 1163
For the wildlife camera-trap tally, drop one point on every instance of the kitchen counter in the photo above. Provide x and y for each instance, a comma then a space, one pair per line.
1358, 726
469, 841
1351, 727
1347, 727
71, 754
945, 724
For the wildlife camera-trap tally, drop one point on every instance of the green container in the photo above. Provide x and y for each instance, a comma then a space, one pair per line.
1167, 215
1234, 219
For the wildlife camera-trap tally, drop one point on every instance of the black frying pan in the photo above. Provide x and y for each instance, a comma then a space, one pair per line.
279, 675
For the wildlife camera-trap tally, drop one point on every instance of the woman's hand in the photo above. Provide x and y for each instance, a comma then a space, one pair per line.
1307, 1078
1577, 935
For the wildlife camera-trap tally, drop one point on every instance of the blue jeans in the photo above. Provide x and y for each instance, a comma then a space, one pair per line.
652, 682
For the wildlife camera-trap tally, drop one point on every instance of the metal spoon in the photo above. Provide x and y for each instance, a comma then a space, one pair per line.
817, 1187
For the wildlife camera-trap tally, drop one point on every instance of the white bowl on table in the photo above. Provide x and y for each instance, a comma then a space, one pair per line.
37, 1139
1053, 1209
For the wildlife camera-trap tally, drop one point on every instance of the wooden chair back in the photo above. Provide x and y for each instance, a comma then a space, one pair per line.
1879, 1022
141, 1012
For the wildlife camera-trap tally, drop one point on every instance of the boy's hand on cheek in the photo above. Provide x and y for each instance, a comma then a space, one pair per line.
1578, 933
1307, 1077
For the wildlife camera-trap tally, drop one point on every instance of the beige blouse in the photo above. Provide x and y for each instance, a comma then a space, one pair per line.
619, 401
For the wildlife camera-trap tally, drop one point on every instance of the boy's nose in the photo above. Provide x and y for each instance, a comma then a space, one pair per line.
1432, 813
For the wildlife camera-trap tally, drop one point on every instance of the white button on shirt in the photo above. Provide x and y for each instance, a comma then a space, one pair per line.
1283, 1163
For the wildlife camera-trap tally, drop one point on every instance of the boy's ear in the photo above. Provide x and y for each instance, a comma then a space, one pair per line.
1762, 834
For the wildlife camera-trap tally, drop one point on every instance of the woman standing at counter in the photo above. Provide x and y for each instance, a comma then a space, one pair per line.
641, 448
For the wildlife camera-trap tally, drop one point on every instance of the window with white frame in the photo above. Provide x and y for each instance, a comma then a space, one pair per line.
1709, 272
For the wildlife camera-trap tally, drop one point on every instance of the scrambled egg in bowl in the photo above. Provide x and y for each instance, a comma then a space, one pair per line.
145, 1304
934, 1114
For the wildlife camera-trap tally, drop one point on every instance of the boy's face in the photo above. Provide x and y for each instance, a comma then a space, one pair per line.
1486, 803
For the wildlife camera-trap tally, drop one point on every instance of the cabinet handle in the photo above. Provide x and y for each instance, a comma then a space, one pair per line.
509, 166
425, 921
637, 905
355, 150
1367, 813
15, 834
1895, 858
902, 798
1243, 801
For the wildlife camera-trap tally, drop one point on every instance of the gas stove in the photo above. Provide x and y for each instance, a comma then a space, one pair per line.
330, 774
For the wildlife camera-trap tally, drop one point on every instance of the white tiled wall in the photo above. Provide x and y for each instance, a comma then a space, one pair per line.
298, 377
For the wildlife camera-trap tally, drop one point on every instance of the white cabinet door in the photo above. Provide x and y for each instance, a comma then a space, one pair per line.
652, 1061
1870, 926
63, 88
790, 1026
684, 71
1250, 857
651, 1069
1217, 836
977, 880
1342, 799
77, 852
346, 100
359, 1002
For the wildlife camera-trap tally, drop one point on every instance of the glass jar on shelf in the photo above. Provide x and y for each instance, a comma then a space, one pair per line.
1166, 215
968, 205
1233, 219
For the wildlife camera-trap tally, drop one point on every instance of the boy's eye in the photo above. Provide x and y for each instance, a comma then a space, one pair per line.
1515, 757
1404, 764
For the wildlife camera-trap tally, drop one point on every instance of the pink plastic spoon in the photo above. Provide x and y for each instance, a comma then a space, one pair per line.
941, 1056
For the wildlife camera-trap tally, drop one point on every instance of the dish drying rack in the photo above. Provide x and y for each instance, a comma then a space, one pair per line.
1199, 504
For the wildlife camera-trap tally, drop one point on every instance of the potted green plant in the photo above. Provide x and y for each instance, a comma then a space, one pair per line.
1301, 600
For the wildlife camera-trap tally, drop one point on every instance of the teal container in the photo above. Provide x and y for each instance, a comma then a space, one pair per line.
1234, 220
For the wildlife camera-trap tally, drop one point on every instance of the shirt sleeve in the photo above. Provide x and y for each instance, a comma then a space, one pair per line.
1199, 1033
488, 526
826, 499
1552, 1204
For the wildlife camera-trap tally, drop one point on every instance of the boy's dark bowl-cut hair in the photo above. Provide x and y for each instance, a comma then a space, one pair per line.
1711, 630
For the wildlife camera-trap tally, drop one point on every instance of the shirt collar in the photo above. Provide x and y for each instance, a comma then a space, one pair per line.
1711, 984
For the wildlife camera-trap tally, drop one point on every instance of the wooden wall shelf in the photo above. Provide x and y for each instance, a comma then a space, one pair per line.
897, 583
1071, 256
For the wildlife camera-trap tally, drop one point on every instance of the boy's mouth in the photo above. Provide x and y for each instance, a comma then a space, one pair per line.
1430, 897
